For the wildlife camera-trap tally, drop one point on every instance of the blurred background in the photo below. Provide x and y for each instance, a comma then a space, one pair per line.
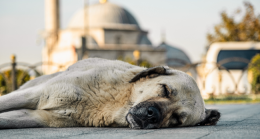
216, 42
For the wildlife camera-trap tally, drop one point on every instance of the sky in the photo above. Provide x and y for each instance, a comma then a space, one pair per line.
185, 23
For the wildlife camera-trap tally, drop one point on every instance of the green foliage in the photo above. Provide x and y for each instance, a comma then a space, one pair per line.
6, 80
248, 29
142, 63
254, 69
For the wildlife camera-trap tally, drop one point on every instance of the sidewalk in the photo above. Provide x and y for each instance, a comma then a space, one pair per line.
238, 121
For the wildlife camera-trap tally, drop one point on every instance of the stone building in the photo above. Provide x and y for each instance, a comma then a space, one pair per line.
103, 30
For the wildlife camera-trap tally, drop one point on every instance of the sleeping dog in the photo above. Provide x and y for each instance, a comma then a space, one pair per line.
105, 93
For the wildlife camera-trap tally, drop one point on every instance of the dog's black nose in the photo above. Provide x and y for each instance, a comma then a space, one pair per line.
145, 115
153, 115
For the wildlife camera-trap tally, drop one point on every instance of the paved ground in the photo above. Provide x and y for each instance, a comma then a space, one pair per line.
237, 121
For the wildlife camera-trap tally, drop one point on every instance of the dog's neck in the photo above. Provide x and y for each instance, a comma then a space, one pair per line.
107, 100
108, 110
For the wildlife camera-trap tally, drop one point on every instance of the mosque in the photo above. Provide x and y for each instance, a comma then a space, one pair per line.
104, 30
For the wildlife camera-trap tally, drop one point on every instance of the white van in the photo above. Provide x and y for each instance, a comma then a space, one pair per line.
230, 76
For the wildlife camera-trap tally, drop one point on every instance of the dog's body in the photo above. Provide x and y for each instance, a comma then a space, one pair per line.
99, 92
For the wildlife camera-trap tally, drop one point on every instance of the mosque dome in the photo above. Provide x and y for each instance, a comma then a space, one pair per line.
175, 56
105, 15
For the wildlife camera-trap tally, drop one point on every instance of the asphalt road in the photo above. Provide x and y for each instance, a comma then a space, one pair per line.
237, 122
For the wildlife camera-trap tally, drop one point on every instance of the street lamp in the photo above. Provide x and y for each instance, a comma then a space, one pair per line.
137, 54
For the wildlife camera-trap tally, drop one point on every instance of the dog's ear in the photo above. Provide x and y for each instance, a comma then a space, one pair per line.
153, 72
212, 117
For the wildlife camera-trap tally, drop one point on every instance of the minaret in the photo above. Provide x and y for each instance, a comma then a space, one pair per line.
52, 25
163, 36
52, 22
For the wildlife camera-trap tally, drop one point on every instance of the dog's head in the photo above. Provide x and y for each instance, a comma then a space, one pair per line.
167, 98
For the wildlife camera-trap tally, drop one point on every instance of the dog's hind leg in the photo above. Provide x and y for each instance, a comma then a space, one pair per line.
23, 118
27, 96
20, 99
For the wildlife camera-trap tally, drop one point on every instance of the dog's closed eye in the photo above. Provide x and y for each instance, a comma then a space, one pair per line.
166, 90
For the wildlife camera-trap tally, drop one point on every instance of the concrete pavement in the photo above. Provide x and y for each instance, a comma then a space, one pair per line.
238, 121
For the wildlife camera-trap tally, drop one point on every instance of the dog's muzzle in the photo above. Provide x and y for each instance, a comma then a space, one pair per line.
144, 116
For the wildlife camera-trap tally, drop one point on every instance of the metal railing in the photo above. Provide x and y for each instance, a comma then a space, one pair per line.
203, 71
15, 67
199, 71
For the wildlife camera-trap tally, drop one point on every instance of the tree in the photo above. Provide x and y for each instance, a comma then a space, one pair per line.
248, 29
6, 80
142, 63
254, 73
